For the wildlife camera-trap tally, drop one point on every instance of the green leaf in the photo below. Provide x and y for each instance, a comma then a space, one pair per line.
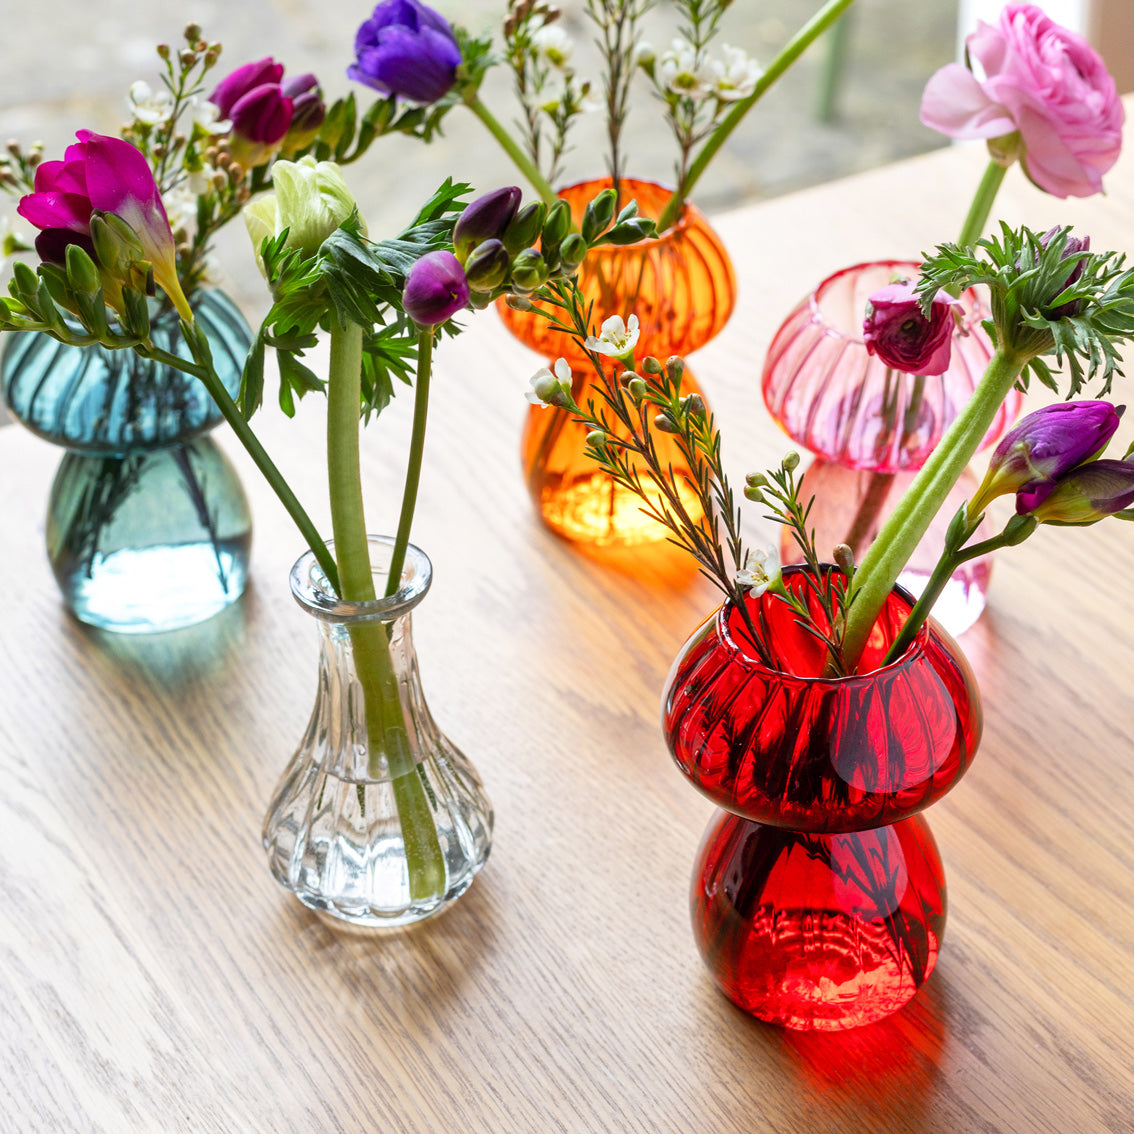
251, 395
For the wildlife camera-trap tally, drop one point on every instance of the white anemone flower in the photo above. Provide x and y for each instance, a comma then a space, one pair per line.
148, 106
616, 338
679, 71
761, 568
735, 76
549, 387
554, 45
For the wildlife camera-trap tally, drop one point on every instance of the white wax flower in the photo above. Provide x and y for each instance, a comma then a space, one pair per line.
734, 77
761, 568
148, 106
679, 71
615, 337
554, 45
548, 387
205, 116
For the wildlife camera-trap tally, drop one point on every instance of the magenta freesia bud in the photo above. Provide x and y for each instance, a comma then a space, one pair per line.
486, 218
106, 175
233, 87
308, 111
1043, 447
406, 49
1084, 496
436, 289
902, 337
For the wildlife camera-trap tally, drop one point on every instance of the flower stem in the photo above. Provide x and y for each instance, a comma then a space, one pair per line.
981, 207
416, 451
386, 731
525, 165
900, 535
795, 47
203, 370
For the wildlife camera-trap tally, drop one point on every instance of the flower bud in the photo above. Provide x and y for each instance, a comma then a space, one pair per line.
693, 404
756, 480
308, 112
551, 387
572, 252
598, 215
650, 365
525, 227
596, 439
631, 231
637, 388
557, 225
751, 492
82, 274
1071, 247
1045, 445
844, 558
665, 424
436, 289
529, 271
1084, 496
790, 462
488, 265
487, 218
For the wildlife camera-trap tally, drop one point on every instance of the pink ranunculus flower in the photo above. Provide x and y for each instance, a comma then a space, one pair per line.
902, 337
108, 175
1045, 82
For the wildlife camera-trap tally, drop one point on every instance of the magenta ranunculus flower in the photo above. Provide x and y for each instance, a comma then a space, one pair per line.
108, 175
1083, 496
406, 49
1043, 447
1044, 81
902, 337
436, 289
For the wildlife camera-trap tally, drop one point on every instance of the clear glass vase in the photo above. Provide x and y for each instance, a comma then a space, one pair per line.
148, 527
682, 287
819, 901
379, 820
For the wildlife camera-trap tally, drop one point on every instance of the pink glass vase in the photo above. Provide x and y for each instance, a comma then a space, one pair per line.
843, 404
818, 899
682, 288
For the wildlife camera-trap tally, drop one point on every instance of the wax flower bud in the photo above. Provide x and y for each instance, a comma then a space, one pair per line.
1044, 446
551, 387
487, 218
436, 289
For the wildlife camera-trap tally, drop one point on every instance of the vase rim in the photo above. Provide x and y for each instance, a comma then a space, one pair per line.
310, 588
912, 652
688, 215
974, 316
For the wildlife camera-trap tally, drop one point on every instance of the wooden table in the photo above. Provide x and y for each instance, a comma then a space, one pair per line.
154, 978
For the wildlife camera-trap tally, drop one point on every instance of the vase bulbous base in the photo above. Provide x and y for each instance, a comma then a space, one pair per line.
153, 541
851, 505
818, 932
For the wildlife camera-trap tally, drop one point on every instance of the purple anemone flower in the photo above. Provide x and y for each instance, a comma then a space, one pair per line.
406, 49
436, 289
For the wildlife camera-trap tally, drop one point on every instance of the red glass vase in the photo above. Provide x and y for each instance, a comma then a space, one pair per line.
682, 288
818, 774
829, 395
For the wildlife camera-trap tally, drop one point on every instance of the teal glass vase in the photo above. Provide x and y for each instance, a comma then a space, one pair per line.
148, 527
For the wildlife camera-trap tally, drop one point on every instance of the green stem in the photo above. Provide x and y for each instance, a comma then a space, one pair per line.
524, 163
244, 434
795, 47
981, 207
386, 731
416, 452
902, 532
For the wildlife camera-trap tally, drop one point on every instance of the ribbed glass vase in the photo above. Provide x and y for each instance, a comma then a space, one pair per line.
148, 527
818, 900
682, 288
379, 820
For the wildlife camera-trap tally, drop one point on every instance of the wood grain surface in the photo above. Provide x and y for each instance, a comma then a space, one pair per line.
153, 977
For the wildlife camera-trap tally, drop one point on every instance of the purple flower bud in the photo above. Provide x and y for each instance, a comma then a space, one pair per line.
436, 289
406, 49
902, 337
1044, 446
1085, 495
1073, 246
244, 79
308, 112
262, 116
486, 218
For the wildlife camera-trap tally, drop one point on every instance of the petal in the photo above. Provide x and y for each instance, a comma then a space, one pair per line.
955, 104
56, 210
116, 173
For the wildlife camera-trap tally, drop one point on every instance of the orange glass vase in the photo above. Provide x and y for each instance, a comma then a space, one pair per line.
682, 288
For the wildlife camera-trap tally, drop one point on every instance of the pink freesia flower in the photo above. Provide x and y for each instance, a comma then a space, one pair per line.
1044, 81
902, 337
108, 175
254, 100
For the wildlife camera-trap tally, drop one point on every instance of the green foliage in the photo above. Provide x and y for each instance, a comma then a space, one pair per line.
1028, 285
